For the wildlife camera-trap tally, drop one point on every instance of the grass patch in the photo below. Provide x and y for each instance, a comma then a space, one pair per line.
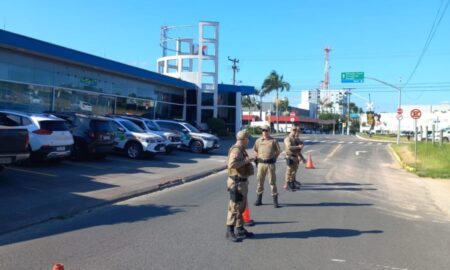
432, 160
386, 137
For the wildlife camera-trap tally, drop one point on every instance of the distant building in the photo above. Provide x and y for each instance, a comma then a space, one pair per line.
432, 115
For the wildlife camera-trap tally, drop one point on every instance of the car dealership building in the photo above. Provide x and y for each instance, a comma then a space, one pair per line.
37, 76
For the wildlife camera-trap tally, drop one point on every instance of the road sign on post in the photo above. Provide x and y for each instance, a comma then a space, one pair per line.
416, 113
352, 77
399, 111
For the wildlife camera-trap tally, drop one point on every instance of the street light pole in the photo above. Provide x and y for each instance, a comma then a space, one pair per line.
399, 101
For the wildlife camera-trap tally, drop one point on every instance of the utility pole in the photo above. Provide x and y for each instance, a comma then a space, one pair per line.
234, 67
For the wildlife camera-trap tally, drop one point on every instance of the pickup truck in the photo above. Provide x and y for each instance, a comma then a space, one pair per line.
13, 145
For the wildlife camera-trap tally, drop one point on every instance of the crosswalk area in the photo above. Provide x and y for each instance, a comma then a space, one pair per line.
344, 142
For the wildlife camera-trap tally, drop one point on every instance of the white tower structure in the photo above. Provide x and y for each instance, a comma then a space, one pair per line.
193, 60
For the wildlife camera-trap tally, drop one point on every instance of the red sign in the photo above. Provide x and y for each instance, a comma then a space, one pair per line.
399, 111
416, 113
292, 114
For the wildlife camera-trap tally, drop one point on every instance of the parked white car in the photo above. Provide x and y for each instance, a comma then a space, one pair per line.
49, 136
192, 138
134, 141
172, 139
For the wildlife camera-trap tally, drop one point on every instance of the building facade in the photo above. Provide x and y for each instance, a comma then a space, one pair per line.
36, 76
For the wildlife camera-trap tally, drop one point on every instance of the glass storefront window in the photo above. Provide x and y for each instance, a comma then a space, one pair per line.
135, 106
24, 97
227, 99
207, 99
191, 114
191, 97
207, 114
74, 101
168, 111
229, 116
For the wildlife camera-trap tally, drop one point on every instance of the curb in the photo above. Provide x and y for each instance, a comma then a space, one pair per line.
164, 184
402, 163
372, 140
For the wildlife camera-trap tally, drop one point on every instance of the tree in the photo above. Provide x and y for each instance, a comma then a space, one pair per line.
249, 102
283, 105
275, 82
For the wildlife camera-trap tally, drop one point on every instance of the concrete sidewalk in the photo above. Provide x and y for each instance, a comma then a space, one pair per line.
36, 194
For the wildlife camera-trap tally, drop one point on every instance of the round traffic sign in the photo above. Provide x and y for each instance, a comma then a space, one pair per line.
292, 119
399, 117
399, 111
416, 113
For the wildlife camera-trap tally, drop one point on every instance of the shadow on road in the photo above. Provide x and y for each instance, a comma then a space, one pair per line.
326, 232
116, 214
326, 204
331, 189
273, 222
338, 184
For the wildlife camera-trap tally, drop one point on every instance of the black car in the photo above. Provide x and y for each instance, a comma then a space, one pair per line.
93, 135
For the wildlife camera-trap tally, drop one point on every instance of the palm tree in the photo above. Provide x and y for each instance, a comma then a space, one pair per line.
275, 82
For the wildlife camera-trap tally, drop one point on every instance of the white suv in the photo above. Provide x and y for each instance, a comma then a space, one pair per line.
196, 140
49, 136
173, 140
134, 141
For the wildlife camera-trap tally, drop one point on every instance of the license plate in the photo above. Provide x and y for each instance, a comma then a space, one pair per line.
217, 145
5, 160
106, 138
60, 148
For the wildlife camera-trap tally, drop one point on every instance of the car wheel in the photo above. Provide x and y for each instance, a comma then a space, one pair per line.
100, 156
134, 150
196, 146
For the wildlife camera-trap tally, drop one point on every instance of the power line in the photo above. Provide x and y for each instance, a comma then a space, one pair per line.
434, 27
234, 67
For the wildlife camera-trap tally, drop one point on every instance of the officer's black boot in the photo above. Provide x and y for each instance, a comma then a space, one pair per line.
243, 233
275, 201
297, 184
292, 186
258, 199
230, 234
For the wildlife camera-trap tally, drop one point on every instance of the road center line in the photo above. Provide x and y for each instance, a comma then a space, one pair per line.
333, 152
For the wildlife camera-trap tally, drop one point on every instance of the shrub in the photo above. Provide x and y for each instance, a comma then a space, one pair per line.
254, 130
217, 126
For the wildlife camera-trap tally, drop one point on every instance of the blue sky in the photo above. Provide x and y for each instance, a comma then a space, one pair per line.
382, 38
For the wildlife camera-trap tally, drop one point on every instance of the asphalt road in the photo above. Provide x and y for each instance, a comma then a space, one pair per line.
356, 211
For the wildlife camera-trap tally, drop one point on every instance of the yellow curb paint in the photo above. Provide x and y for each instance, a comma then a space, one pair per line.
404, 165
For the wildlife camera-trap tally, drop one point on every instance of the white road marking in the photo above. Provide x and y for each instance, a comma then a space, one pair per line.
357, 152
30, 171
350, 142
341, 142
338, 260
323, 141
360, 142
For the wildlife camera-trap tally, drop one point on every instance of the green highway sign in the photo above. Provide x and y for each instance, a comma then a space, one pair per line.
352, 77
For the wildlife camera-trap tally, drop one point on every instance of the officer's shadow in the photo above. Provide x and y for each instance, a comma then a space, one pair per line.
325, 232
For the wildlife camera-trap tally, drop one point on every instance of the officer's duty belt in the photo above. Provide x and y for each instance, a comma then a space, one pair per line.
267, 161
238, 179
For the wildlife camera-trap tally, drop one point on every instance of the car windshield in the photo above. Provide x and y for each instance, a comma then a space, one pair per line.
191, 128
131, 126
152, 126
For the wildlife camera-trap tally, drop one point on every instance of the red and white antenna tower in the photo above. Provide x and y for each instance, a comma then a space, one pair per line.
326, 79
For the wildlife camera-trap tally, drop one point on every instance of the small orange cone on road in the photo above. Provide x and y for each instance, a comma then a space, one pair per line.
246, 215
309, 163
58, 266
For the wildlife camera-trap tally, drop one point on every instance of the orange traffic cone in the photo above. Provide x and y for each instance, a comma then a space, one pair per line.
309, 163
246, 215
58, 266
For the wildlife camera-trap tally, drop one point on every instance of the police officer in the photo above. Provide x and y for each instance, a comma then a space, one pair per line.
239, 169
267, 151
293, 147
300, 155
